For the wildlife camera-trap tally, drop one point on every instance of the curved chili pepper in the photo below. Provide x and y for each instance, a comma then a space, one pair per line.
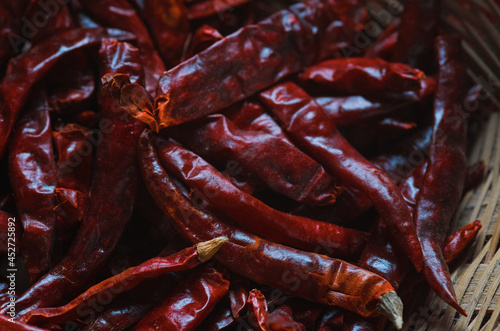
169, 26
281, 319
25, 70
252, 214
225, 60
121, 15
258, 146
33, 178
128, 279
456, 243
112, 194
257, 309
198, 295
419, 26
310, 126
444, 180
311, 276
364, 76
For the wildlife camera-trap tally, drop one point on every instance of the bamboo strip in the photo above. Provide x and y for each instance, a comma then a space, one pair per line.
488, 214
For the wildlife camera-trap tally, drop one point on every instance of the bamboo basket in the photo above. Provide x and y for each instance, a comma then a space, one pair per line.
476, 276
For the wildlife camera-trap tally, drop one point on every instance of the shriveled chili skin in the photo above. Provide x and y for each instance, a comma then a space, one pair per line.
364, 76
112, 194
204, 37
121, 15
307, 275
383, 47
311, 128
254, 141
219, 319
238, 295
212, 7
126, 280
249, 60
190, 303
252, 214
25, 70
444, 180
33, 179
257, 309
281, 319
7, 324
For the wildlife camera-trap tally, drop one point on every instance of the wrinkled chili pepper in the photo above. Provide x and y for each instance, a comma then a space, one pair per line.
364, 76
331, 320
198, 295
212, 7
236, 67
128, 279
310, 126
311, 276
257, 309
33, 178
204, 37
169, 26
238, 296
112, 194
444, 180
383, 47
25, 70
121, 15
253, 143
254, 215
281, 319
220, 318
7, 324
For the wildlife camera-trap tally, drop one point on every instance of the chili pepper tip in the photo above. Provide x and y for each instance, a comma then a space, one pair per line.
391, 307
207, 249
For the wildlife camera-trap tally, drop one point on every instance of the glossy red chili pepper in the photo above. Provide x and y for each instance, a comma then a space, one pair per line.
364, 76
238, 296
383, 47
444, 180
257, 309
169, 26
311, 128
456, 243
252, 214
223, 62
281, 319
112, 194
255, 146
12, 325
211, 7
419, 26
220, 318
198, 295
311, 276
25, 70
204, 37
128, 279
121, 15
33, 178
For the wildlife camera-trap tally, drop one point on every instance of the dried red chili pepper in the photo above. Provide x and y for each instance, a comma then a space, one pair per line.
444, 180
198, 295
257, 309
456, 243
220, 318
12, 325
33, 178
364, 76
383, 47
204, 37
128, 279
310, 126
113, 190
211, 7
238, 296
281, 319
311, 276
331, 320
25, 70
419, 26
169, 26
260, 151
252, 214
227, 62
121, 15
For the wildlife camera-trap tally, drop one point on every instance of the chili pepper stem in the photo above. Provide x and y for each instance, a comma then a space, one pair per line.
207, 249
391, 307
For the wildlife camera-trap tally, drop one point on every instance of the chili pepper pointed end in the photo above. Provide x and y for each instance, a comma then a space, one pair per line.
207, 249
391, 307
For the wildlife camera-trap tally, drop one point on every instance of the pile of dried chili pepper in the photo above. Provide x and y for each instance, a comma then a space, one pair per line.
227, 165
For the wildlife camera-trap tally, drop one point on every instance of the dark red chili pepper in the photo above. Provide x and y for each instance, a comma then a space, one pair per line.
25, 70
311, 276
33, 178
257, 147
12, 325
128, 279
383, 47
220, 318
419, 26
311, 128
252, 214
11, 40
444, 180
121, 15
238, 296
257, 309
204, 37
331, 320
226, 61
112, 194
364, 76
211, 7
198, 296
281, 319
169, 26
456, 243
